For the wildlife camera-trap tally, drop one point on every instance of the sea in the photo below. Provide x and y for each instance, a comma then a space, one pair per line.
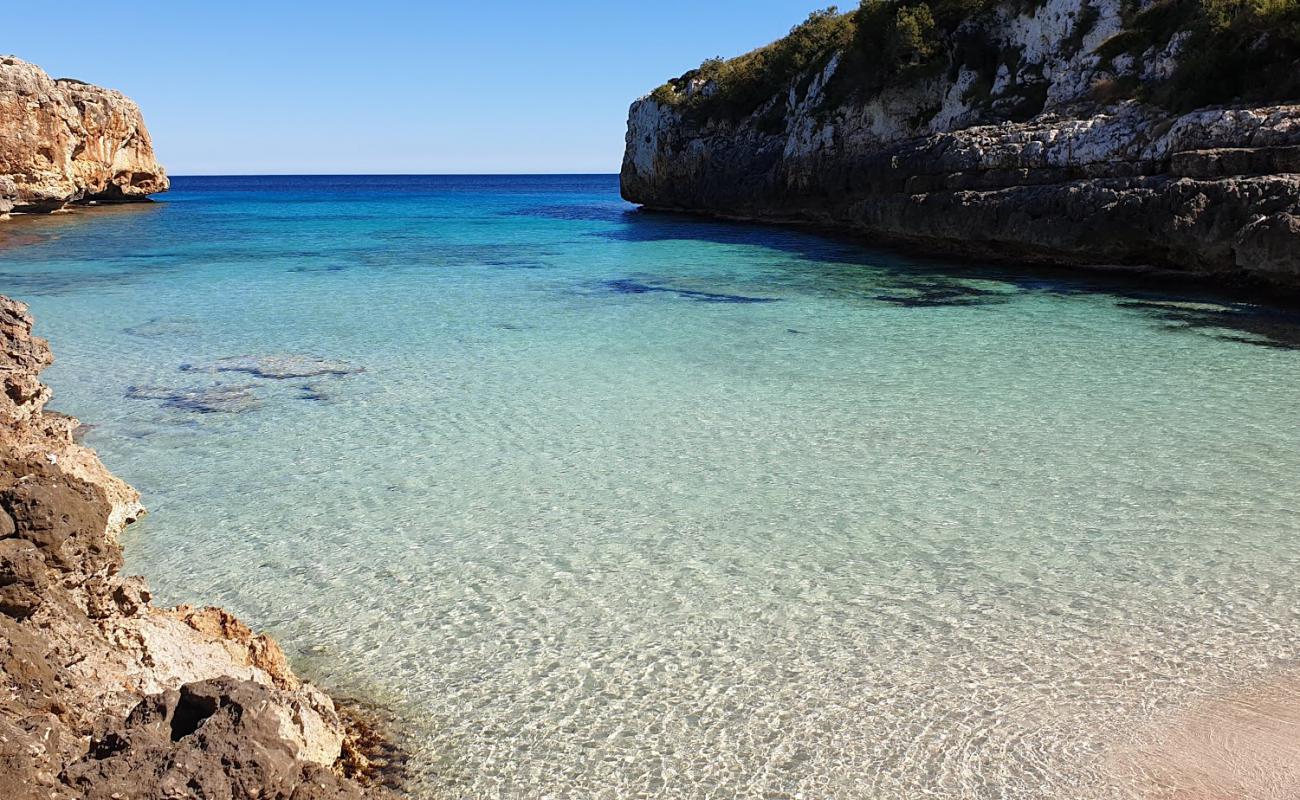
599, 502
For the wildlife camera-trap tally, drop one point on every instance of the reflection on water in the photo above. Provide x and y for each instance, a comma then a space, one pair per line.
613, 504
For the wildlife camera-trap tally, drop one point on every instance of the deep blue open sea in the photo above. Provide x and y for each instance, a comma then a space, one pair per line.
605, 503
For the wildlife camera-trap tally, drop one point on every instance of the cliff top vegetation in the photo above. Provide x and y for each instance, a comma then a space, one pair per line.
1234, 51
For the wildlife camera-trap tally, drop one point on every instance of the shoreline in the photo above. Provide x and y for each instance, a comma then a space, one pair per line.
972, 259
1228, 742
74, 207
964, 259
113, 694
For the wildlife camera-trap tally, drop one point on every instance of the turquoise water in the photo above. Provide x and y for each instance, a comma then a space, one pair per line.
611, 504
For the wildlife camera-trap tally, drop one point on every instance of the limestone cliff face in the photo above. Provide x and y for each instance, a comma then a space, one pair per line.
63, 142
1023, 157
102, 694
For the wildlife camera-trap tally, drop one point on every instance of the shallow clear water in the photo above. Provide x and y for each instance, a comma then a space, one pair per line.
626, 505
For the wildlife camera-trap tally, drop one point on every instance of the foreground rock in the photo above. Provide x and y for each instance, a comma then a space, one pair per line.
105, 695
64, 142
1009, 143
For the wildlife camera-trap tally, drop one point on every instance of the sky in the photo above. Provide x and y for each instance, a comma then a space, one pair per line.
380, 86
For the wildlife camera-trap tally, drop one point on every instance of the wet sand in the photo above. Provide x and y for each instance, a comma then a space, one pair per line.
1241, 746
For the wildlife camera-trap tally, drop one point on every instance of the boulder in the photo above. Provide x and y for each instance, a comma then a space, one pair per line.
65, 141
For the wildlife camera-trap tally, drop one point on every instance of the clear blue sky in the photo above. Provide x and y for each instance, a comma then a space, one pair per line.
235, 87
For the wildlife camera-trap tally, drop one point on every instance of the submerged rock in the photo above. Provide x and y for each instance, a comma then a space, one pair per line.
105, 695
64, 141
314, 392
163, 327
279, 367
218, 399
628, 286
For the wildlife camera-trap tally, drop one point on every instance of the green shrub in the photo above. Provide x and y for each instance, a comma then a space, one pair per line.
743, 84
1240, 49
896, 39
666, 94
1237, 49
913, 39
879, 42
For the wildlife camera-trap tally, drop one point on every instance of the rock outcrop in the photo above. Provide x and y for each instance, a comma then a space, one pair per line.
1023, 155
101, 693
64, 142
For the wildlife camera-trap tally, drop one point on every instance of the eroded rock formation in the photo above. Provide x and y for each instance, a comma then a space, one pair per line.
101, 693
1021, 156
64, 142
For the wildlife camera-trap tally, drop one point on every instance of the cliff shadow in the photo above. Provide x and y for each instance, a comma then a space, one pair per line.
26, 230
836, 264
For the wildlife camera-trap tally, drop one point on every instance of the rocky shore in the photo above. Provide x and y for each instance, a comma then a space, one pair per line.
106, 695
1037, 148
64, 142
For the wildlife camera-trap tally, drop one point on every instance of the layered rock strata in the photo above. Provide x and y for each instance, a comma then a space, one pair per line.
66, 142
951, 161
102, 694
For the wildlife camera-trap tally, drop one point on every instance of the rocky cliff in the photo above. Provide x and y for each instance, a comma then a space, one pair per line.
65, 142
1065, 131
105, 695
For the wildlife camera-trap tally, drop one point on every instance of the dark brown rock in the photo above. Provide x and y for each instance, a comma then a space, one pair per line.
62, 515
1269, 246
212, 739
23, 578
